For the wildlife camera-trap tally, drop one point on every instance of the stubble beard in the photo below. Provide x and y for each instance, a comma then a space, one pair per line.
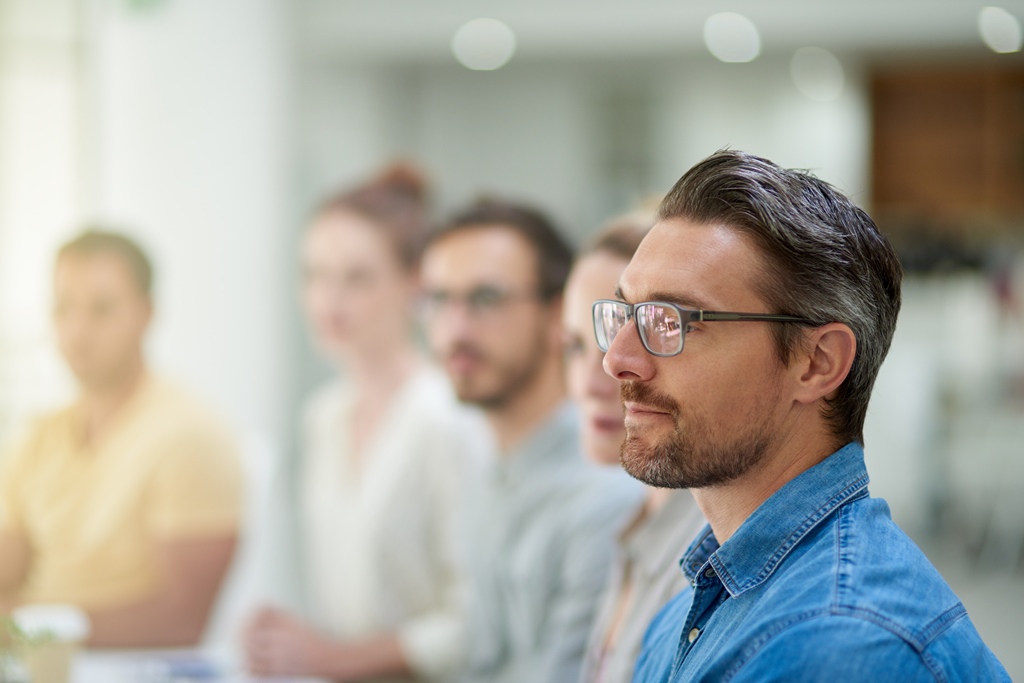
696, 455
514, 377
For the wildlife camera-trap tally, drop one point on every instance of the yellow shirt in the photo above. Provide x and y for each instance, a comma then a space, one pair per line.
93, 514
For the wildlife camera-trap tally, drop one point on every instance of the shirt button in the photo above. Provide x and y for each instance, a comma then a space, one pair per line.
694, 632
710, 572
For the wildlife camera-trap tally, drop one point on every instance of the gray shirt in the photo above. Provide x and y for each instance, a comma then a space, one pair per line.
541, 541
648, 566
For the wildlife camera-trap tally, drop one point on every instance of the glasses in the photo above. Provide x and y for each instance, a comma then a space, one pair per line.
479, 302
662, 325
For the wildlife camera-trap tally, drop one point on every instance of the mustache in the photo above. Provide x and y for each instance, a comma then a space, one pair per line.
466, 349
636, 392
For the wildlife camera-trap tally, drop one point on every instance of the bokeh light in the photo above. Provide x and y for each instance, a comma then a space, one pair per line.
1000, 30
817, 73
732, 37
484, 44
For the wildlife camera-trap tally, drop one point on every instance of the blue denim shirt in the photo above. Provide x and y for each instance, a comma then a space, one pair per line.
818, 584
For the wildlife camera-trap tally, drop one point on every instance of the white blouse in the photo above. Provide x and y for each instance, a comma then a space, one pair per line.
380, 533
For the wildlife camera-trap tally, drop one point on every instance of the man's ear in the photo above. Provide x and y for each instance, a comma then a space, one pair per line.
824, 361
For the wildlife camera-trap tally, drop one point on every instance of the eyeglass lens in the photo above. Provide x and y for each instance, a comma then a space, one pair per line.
609, 318
660, 327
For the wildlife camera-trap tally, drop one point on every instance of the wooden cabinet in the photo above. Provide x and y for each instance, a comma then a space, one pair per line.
948, 148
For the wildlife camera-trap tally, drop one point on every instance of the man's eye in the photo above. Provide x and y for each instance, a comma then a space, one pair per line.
485, 298
435, 299
572, 346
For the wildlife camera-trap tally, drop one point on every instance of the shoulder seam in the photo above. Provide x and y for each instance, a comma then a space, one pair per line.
946, 619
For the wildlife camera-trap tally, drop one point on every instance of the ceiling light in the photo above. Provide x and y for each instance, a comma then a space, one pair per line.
817, 73
999, 29
731, 37
484, 44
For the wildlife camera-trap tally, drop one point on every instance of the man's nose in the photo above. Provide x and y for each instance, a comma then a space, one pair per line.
626, 358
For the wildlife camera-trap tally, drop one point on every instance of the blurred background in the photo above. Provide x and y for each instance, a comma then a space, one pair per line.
209, 129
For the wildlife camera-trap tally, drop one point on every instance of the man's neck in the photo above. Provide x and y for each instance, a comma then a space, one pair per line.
101, 403
523, 414
726, 507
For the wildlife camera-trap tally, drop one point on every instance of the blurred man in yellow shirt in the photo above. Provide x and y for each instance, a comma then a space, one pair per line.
126, 503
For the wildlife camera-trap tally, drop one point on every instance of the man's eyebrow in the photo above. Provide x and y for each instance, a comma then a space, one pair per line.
684, 300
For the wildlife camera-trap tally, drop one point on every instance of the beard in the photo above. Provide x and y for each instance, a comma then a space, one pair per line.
695, 455
509, 376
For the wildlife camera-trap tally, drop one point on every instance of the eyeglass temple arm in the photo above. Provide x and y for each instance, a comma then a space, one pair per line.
764, 317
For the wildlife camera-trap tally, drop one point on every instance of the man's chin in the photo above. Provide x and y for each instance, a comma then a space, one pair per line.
470, 392
650, 463
636, 460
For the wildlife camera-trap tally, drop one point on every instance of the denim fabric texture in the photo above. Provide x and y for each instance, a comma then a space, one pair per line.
818, 584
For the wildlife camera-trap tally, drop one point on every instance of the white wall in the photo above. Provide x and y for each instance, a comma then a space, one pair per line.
538, 130
757, 108
520, 132
40, 197
190, 120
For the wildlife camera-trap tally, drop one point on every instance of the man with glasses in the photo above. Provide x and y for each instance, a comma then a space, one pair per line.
747, 335
540, 536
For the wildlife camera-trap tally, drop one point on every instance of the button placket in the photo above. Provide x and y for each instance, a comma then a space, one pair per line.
707, 592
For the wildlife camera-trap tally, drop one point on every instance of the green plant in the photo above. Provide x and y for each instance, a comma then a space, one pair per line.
14, 643
9, 635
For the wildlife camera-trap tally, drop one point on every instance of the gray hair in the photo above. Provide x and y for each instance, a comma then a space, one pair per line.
825, 260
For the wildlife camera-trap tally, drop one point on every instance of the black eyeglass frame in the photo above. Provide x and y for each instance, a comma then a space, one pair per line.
686, 315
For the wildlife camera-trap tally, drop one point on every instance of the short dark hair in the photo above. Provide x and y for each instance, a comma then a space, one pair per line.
395, 201
622, 235
97, 240
554, 255
826, 261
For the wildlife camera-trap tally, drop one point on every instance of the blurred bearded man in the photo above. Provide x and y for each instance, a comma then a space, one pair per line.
541, 533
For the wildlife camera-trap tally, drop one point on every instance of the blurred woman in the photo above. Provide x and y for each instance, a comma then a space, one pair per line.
386, 453
646, 574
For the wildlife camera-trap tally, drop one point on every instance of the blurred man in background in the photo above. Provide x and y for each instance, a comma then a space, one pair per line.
541, 527
747, 333
127, 502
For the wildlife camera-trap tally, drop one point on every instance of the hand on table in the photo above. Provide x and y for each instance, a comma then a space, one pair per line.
279, 644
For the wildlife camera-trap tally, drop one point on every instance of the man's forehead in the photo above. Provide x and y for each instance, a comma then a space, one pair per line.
99, 265
486, 255
692, 264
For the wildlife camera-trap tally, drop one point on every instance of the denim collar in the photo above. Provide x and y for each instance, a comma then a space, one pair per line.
769, 534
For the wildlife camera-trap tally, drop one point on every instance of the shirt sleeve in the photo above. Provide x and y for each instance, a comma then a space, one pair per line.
588, 556
197, 487
434, 642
